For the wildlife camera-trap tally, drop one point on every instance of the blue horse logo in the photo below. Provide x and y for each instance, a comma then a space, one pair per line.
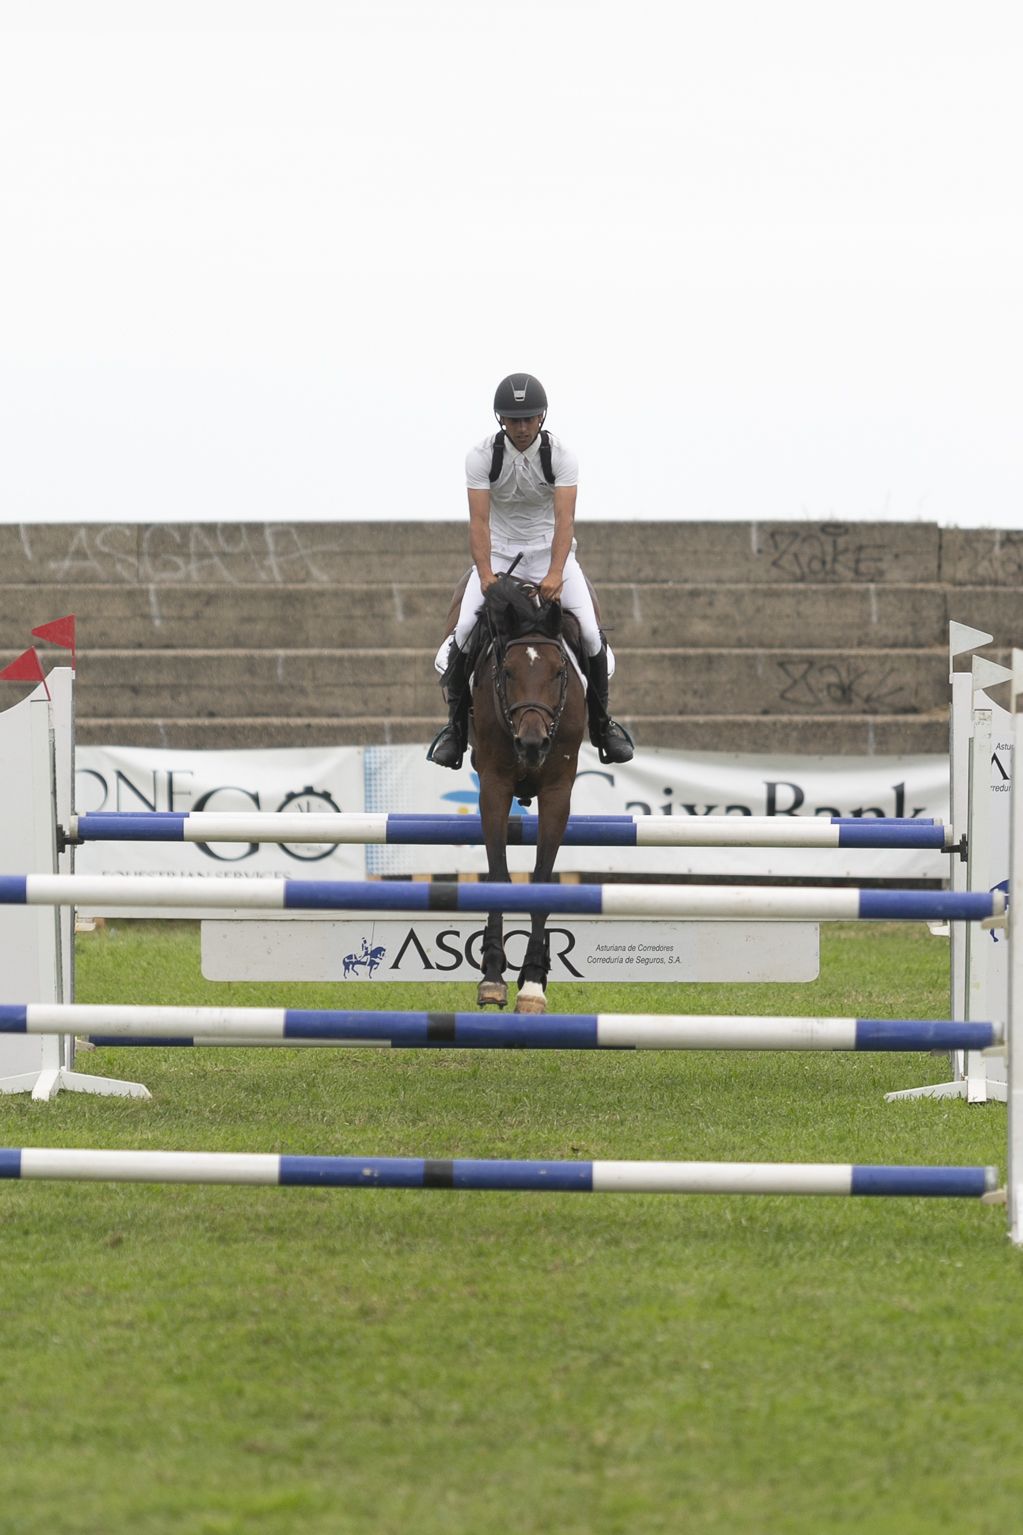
369, 960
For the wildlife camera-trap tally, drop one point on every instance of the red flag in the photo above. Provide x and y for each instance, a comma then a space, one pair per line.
26, 668
59, 631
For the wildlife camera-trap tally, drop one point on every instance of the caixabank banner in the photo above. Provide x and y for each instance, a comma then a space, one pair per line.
667, 783
399, 779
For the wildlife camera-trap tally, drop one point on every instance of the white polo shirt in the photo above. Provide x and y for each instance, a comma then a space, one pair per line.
521, 501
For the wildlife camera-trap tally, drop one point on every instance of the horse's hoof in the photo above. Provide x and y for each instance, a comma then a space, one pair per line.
531, 998
491, 994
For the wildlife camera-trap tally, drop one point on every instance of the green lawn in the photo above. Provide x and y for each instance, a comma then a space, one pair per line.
233, 1361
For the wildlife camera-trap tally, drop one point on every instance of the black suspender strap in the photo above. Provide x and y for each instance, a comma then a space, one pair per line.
545, 457
497, 458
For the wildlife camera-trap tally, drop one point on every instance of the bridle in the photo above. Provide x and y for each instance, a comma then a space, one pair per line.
509, 711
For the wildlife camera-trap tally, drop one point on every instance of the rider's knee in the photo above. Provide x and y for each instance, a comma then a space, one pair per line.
591, 637
443, 656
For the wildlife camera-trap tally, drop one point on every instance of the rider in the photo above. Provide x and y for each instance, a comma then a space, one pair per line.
522, 486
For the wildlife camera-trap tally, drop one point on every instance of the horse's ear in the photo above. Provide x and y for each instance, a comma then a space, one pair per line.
552, 619
499, 605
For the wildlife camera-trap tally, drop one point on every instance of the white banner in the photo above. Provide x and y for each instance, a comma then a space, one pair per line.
144, 778
399, 779
660, 782
364, 947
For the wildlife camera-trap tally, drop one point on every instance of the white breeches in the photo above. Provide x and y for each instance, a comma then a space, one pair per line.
575, 598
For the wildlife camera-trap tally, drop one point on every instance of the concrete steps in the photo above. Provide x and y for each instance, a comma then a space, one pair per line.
850, 735
796, 637
339, 684
208, 617
399, 615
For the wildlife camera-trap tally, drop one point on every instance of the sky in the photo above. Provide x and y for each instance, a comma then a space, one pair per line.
269, 261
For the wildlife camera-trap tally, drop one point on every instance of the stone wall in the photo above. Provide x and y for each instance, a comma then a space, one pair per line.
800, 637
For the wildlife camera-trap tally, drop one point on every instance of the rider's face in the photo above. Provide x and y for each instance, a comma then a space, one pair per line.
522, 433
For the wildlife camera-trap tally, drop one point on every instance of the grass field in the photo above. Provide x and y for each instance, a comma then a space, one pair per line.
232, 1361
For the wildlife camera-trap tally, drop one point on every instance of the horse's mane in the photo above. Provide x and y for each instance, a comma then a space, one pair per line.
513, 609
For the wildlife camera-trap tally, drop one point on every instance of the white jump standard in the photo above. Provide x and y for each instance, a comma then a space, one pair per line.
123, 1025
532, 1177
277, 894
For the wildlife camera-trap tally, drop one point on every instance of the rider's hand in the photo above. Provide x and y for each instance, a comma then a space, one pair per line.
487, 581
550, 586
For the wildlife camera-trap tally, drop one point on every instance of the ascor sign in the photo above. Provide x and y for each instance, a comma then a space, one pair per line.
324, 948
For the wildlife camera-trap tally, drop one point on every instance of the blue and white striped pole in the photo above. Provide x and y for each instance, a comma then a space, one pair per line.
142, 1025
554, 1177
708, 901
455, 830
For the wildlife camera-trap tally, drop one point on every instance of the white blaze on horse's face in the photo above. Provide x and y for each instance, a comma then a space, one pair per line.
534, 655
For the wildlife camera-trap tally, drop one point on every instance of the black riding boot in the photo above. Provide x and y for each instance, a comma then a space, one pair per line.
613, 741
448, 747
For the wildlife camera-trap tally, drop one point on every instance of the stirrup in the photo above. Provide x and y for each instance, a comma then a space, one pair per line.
448, 737
616, 744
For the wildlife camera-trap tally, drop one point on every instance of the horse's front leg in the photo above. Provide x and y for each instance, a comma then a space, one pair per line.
495, 806
553, 817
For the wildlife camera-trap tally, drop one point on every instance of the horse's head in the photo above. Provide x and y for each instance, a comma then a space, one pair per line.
530, 667
532, 681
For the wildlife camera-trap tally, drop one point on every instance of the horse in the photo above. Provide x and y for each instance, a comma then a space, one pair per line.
526, 724
369, 958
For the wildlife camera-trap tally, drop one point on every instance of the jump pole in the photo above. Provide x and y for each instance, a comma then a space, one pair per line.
455, 830
278, 894
141, 1025
475, 1174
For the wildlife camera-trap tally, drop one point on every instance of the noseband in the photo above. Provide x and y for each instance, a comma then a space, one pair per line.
509, 711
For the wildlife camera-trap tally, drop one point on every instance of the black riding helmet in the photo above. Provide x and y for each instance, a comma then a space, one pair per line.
519, 396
